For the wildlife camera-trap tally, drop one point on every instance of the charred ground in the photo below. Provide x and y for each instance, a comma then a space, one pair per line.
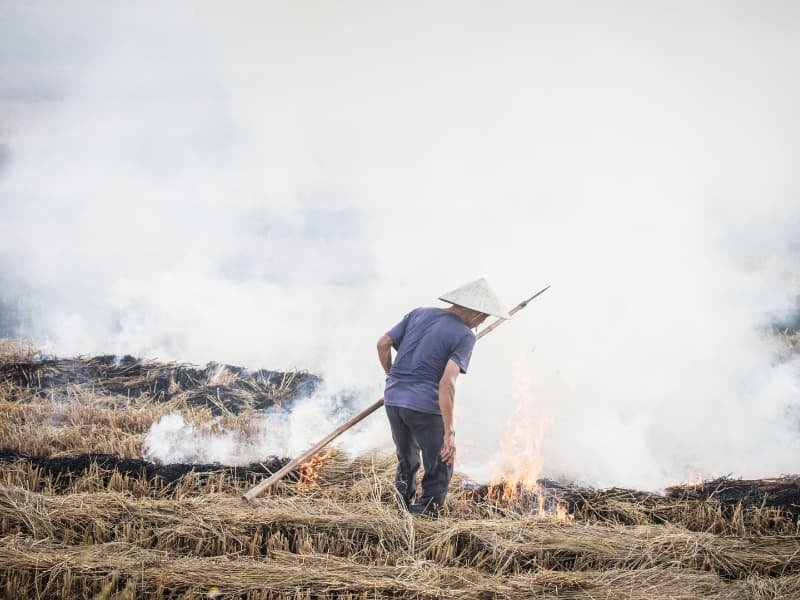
221, 388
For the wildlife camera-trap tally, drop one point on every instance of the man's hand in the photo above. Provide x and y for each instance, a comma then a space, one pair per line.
449, 448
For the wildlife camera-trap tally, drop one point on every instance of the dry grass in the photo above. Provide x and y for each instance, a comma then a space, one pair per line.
189, 481
71, 526
16, 351
79, 543
44, 568
79, 426
374, 531
52, 429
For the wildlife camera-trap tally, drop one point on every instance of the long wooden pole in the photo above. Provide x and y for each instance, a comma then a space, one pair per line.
295, 462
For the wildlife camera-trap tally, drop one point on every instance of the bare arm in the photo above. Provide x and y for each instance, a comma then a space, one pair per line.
447, 396
385, 352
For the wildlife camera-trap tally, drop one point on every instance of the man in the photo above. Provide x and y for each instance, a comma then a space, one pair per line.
433, 346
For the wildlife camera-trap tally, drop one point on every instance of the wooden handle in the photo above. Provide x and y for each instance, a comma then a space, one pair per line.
294, 463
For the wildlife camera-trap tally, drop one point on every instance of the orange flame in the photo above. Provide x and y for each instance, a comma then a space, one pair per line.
310, 471
562, 512
523, 459
694, 482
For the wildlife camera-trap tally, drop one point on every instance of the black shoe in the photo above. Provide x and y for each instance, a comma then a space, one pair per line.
430, 510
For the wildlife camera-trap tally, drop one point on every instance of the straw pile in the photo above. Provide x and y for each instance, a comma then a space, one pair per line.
77, 545
214, 525
83, 516
132, 571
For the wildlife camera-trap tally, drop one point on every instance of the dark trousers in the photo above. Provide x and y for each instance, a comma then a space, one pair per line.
413, 433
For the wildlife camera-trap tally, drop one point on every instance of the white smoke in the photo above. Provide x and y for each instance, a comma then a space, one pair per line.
277, 432
276, 185
172, 440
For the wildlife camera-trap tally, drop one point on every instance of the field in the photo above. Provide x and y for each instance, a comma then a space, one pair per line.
83, 516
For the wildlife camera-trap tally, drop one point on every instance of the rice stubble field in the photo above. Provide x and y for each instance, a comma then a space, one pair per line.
82, 515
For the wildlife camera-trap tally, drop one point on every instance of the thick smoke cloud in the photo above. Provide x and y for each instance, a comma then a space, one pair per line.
275, 185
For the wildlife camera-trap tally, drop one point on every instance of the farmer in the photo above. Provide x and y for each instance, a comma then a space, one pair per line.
433, 346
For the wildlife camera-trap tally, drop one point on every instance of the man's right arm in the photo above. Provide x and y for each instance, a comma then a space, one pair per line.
385, 352
447, 396
393, 337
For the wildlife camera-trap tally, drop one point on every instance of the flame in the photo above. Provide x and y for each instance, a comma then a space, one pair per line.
532, 499
310, 471
523, 460
562, 512
522, 445
694, 482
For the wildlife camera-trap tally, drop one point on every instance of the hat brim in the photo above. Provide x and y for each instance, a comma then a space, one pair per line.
505, 316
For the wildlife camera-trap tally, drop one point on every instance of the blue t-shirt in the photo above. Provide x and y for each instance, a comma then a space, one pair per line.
425, 340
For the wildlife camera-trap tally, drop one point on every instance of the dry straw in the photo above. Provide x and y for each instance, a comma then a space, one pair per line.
217, 525
79, 525
46, 569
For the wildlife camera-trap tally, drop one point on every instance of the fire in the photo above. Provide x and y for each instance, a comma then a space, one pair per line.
310, 471
522, 445
694, 482
532, 499
523, 460
562, 512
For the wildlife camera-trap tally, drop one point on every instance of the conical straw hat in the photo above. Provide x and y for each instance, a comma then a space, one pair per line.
477, 295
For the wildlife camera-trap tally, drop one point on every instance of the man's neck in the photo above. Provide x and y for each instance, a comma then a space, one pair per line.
462, 314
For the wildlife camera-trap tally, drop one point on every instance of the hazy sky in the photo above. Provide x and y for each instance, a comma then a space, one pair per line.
276, 184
